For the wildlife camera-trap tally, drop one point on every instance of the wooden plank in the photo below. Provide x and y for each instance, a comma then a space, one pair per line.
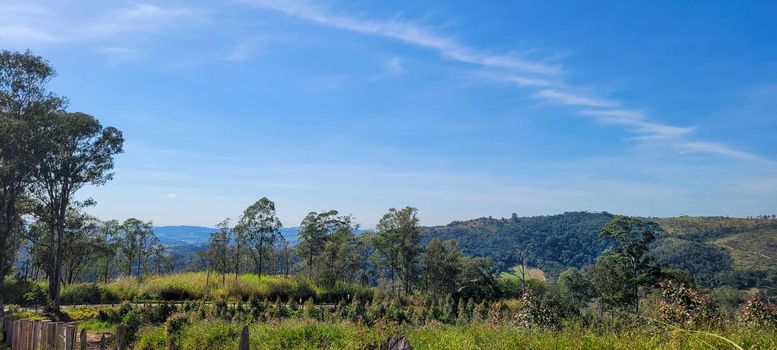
51, 335
60, 337
35, 335
16, 331
121, 338
43, 335
70, 337
82, 340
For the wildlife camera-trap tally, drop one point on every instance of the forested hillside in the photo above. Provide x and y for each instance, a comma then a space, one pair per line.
741, 253
552, 243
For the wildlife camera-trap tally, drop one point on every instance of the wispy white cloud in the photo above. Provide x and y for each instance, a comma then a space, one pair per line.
547, 78
717, 148
30, 23
410, 33
567, 98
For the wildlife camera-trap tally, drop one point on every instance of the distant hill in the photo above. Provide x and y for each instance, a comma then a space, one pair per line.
717, 250
198, 235
552, 242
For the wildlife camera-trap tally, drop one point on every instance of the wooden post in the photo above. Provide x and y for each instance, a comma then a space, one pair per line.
9, 330
172, 344
243, 339
36, 332
59, 339
102, 342
82, 339
70, 336
399, 342
51, 335
43, 336
121, 338
15, 338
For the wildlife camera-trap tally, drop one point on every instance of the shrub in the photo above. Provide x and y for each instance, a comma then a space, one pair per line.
151, 338
176, 323
82, 293
685, 306
759, 311
133, 320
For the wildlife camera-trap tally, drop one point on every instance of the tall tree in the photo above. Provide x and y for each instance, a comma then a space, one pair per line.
314, 231
633, 238
442, 265
24, 104
79, 152
261, 229
340, 256
218, 249
136, 243
109, 233
397, 245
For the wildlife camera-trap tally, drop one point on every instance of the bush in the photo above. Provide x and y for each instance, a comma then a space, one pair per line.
82, 293
151, 338
685, 306
759, 311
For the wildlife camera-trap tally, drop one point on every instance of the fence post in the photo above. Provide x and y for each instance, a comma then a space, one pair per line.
60, 338
121, 338
399, 342
43, 336
17, 325
243, 339
70, 336
82, 339
172, 344
102, 342
8, 323
52, 335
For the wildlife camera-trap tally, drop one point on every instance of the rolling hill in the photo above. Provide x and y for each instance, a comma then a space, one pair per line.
716, 250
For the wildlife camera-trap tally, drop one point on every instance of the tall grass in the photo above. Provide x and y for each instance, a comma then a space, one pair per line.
197, 286
307, 334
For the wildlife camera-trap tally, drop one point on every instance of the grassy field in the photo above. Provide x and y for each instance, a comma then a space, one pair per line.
301, 334
197, 286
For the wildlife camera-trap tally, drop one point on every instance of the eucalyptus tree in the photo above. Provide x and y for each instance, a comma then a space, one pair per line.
398, 245
259, 229
136, 242
219, 248
633, 238
25, 102
315, 230
339, 258
442, 264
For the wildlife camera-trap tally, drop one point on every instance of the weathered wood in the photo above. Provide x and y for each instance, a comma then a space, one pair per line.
172, 344
121, 338
51, 335
43, 335
103, 345
15, 338
70, 337
243, 339
398, 342
82, 340
59, 343
36, 326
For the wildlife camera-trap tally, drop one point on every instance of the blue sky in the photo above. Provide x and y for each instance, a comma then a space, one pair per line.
459, 108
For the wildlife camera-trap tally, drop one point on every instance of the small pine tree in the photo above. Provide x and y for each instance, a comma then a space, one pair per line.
461, 315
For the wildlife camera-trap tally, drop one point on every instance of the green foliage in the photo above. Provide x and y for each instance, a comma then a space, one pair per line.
552, 243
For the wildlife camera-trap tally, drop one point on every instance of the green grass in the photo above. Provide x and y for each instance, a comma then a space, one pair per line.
305, 334
197, 286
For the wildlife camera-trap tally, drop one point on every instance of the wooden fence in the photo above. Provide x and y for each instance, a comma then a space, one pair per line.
47, 335
43, 335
